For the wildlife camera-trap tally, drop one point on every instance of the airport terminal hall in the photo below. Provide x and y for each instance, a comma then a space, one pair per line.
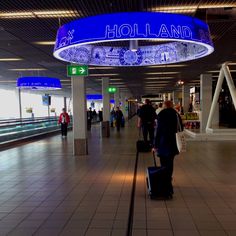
117, 118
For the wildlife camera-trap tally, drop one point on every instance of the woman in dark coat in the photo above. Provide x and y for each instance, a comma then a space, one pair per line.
165, 140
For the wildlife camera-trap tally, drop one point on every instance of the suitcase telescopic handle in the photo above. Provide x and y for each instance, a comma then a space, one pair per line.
154, 158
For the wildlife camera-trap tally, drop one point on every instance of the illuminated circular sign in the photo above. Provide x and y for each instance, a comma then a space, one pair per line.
39, 83
189, 38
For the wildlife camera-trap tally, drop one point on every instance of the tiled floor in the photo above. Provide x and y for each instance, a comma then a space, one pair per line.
45, 190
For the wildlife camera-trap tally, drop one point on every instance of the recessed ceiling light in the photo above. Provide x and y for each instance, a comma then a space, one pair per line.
27, 69
191, 8
167, 66
102, 75
162, 73
11, 59
7, 81
38, 14
217, 71
102, 67
159, 78
156, 82
45, 43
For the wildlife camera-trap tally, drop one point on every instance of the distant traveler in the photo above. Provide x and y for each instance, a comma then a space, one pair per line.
118, 117
165, 141
64, 120
100, 115
146, 120
160, 108
89, 118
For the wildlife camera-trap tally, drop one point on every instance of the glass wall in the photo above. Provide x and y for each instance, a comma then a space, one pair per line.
9, 104
31, 104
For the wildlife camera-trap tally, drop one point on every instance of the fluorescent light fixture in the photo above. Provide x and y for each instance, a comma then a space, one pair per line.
45, 43
156, 82
192, 8
38, 14
7, 81
162, 73
177, 9
101, 67
217, 71
27, 69
159, 78
167, 66
102, 75
11, 59
222, 5
117, 83
153, 85
111, 79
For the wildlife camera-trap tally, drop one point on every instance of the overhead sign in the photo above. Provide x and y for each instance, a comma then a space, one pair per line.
77, 70
187, 38
112, 90
39, 83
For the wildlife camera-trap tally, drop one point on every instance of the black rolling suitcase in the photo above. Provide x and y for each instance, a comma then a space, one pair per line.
158, 183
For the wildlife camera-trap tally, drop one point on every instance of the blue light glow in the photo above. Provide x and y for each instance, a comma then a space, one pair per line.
39, 83
190, 39
94, 97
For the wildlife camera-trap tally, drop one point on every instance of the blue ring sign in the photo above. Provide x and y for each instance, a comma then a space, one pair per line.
39, 83
187, 38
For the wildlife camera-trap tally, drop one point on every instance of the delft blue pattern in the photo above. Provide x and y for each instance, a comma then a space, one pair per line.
76, 41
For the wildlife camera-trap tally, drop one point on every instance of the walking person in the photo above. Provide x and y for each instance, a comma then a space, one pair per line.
146, 121
118, 117
165, 140
64, 120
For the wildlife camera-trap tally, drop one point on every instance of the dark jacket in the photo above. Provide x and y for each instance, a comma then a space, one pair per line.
165, 140
118, 116
147, 114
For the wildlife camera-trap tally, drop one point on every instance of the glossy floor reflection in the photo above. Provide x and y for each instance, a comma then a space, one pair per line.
45, 190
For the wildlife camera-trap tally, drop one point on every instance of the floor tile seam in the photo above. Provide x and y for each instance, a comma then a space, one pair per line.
108, 183
38, 228
88, 227
215, 191
203, 199
42, 202
124, 181
63, 227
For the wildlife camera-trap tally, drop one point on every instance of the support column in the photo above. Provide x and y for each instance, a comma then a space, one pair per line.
124, 105
205, 99
169, 96
117, 98
79, 116
185, 97
174, 97
18, 96
65, 105
105, 127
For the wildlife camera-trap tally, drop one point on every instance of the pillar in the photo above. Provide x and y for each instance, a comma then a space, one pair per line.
105, 127
18, 97
79, 116
65, 105
117, 98
205, 99
124, 104
185, 97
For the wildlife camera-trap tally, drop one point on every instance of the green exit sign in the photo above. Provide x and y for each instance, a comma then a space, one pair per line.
77, 70
112, 89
